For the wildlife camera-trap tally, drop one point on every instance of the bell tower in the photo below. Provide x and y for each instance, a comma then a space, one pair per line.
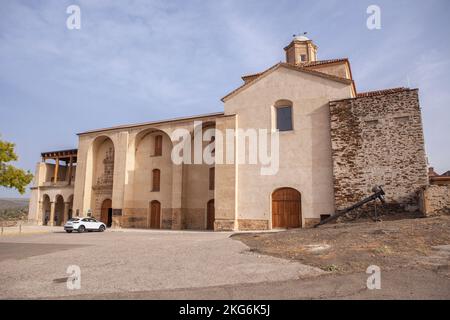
301, 50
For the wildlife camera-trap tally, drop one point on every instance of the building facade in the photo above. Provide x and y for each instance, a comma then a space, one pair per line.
335, 145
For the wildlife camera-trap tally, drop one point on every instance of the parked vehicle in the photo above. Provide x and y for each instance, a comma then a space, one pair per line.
84, 224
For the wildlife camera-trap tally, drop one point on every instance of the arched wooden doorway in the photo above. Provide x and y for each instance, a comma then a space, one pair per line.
286, 208
210, 217
106, 214
155, 215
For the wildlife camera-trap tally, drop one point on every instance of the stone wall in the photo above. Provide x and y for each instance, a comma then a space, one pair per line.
378, 140
435, 200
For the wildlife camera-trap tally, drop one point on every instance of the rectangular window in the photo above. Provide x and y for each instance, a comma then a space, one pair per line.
211, 178
158, 146
284, 118
303, 57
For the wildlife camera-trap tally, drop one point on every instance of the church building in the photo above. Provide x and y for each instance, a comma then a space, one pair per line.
335, 145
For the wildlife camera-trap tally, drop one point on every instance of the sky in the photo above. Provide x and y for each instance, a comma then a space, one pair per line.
137, 61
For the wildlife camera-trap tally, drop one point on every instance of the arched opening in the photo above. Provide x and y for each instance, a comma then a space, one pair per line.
46, 210
102, 174
59, 211
286, 208
106, 212
153, 173
210, 217
154, 221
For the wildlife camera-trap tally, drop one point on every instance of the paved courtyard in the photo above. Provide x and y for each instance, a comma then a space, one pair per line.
180, 265
34, 266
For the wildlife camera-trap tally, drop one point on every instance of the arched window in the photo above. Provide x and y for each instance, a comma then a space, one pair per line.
283, 114
158, 145
156, 179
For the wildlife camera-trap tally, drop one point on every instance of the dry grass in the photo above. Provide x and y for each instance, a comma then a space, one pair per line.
352, 247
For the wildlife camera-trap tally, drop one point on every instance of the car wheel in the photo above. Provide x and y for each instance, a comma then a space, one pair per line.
81, 229
69, 231
102, 228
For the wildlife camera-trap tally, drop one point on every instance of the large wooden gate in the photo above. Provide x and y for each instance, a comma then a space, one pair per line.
286, 208
155, 215
210, 215
106, 214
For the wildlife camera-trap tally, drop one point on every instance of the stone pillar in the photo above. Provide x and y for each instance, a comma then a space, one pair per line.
177, 191
52, 214
83, 176
225, 193
40, 215
120, 173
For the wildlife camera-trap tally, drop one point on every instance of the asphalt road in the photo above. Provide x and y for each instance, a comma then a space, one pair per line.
183, 265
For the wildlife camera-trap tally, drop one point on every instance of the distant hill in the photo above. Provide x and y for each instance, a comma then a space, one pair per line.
13, 209
13, 203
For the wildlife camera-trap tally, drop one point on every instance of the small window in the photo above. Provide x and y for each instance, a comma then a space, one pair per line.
284, 118
156, 177
158, 146
303, 57
211, 178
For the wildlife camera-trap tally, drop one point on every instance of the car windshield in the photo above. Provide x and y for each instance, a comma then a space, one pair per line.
73, 219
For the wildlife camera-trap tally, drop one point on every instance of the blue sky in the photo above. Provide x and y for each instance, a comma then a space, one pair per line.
135, 61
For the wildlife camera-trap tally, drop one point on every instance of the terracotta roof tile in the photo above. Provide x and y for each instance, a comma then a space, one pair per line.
306, 65
254, 77
380, 92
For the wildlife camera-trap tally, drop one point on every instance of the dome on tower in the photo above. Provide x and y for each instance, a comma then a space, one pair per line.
301, 38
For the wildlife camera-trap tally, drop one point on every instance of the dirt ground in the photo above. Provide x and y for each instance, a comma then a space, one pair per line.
352, 247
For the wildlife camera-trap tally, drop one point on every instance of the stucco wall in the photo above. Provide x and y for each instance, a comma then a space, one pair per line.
378, 140
305, 152
133, 163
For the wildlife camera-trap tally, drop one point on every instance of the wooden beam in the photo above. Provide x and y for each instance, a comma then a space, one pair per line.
70, 170
56, 170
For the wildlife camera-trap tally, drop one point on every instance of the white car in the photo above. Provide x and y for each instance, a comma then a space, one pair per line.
84, 224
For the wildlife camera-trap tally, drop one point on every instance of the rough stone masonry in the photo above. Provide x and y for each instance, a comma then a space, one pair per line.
377, 139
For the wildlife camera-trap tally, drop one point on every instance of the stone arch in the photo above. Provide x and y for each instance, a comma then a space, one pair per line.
286, 208
197, 191
147, 162
46, 208
59, 210
102, 172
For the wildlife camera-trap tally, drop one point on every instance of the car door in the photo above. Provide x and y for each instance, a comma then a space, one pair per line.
94, 224
85, 222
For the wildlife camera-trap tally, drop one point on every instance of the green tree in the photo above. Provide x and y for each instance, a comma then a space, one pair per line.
10, 176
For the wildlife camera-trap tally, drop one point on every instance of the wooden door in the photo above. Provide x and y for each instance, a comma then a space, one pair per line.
210, 217
106, 214
286, 208
155, 215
